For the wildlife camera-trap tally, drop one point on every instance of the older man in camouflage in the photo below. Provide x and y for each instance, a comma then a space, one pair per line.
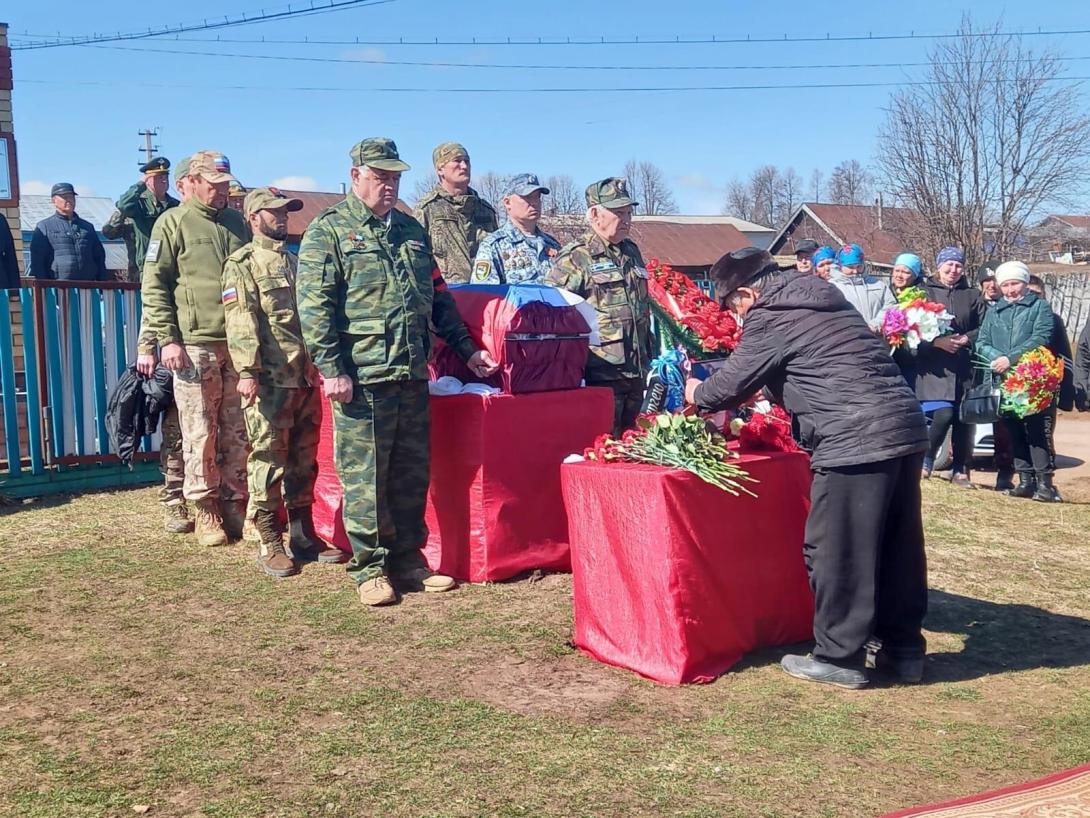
277, 384
455, 217
183, 311
369, 294
605, 267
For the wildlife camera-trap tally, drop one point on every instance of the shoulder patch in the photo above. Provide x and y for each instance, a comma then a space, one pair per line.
230, 296
419, 246
482, 269
153, 250
602, 266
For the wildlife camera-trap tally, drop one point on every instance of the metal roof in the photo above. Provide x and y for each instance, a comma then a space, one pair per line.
740, 224
35, 207
882, 232
685, 244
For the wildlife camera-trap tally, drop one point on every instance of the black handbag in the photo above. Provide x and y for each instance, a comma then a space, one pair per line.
980, 405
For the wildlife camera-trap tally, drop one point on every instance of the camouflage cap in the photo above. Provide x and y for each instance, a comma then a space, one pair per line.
377, 152
213, 166
611, 193
446, 152
524, 184
157, 166
182, 168
269, 198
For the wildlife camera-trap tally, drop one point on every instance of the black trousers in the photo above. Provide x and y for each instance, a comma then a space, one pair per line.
1029, 443
947, 420
864, 553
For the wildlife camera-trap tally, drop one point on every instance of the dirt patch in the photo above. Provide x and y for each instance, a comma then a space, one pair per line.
570, 686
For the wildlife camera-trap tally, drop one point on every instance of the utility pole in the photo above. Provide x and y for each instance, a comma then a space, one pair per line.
149, 149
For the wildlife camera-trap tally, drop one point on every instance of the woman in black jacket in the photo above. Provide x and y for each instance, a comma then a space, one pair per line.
866, 436
944, 367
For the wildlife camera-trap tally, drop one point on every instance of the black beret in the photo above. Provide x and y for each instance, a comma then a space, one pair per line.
739, 268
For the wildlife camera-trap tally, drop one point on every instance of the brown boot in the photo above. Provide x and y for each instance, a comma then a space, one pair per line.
271, 556
209, 524
176, 519
234, 517
304, 543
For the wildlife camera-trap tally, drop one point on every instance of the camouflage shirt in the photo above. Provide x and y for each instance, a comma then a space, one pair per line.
612, 278
456, 225
263, 333
369, 292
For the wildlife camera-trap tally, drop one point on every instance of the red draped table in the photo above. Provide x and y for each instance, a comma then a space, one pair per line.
676, 579
494, 504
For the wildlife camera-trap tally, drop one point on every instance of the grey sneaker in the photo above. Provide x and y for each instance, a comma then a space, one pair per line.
814, 670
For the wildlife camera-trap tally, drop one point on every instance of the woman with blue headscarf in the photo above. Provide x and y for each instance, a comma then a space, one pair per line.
866, 293
907, 272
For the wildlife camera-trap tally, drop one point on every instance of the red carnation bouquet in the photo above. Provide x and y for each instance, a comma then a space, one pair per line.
687, 317
764, 430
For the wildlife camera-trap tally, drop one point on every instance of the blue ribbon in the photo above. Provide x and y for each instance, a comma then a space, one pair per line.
668, 368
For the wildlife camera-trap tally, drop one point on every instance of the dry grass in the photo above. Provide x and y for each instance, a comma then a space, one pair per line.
141, 670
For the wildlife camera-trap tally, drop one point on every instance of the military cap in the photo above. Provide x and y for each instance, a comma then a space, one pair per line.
377, 152
740, 268
446, 152
160, 164
806, 246
269, 198
611, 192
524, 184
61, 188
181, 170
212, 166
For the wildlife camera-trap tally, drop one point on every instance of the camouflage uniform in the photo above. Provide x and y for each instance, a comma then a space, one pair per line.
613, 279
266, 343
171, 461
182, 289
369, 292
120, 227
456, 225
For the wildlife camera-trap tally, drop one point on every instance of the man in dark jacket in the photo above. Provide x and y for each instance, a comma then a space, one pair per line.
64, 246
866, 435
9, 264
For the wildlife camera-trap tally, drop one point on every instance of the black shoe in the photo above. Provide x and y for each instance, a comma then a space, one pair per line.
907, 670
1004, 481
1026, 486
815, 670
1045, 492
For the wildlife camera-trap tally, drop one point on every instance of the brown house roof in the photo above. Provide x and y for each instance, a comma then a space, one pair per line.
686, 245
1078, 222
314, 203
882, 232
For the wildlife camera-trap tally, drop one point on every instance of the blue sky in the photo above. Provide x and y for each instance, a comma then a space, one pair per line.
78, 110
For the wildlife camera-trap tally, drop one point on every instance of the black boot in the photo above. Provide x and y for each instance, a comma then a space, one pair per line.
1045, 492
304, 543
1026, 485
1004, 480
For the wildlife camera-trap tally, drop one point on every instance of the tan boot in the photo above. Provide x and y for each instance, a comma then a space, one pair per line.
176, 519
377, 591
234, 517
423, 579
250, 532
271, 556
209, 524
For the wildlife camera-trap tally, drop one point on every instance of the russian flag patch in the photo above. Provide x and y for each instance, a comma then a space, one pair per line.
230, 296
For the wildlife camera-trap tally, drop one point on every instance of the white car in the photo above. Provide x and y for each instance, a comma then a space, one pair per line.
983, 447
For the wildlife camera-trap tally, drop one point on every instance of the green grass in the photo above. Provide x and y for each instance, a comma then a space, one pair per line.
137, 669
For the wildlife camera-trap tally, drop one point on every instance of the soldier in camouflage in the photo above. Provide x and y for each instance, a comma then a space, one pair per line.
369, 292
277, 384
176, 518
520, 252
605, 267
455, 217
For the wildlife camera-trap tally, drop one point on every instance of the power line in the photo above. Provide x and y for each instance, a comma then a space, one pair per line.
247, 18
532, 66
565, 41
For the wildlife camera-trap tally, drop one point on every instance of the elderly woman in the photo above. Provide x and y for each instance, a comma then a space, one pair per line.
1020, 322
907, 272
866, 293
824, 261
944, 367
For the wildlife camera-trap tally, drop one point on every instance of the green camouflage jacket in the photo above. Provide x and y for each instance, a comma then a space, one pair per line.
263, 333
140, 205
613, 280
367, 292
456, 225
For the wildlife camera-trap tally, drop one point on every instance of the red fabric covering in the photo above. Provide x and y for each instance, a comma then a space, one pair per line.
676, 579
526, 365
1062, 795
494, 505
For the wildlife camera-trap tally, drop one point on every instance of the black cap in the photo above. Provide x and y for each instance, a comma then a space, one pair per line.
806, 246
62, 188
160, 164
985, 273
739, 268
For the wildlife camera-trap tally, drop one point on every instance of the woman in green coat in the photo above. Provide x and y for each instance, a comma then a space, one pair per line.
1018, 323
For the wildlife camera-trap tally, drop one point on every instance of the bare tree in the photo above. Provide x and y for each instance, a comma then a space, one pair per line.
740, 201
564, 197
1009, 138
422, 187
491, 186
648, 186
788, 196
850, 183
768, 197
817, 181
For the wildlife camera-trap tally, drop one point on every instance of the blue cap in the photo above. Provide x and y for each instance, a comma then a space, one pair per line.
823, 253
911, 261
523, 184
850, 255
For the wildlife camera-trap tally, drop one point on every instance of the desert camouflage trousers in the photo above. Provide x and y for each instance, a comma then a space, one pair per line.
382, 453
171, 462
282, 427
213, 433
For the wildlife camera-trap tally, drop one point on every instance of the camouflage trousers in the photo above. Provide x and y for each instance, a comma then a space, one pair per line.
282, 426
382, 453
627, 402
213, 433
171, 462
